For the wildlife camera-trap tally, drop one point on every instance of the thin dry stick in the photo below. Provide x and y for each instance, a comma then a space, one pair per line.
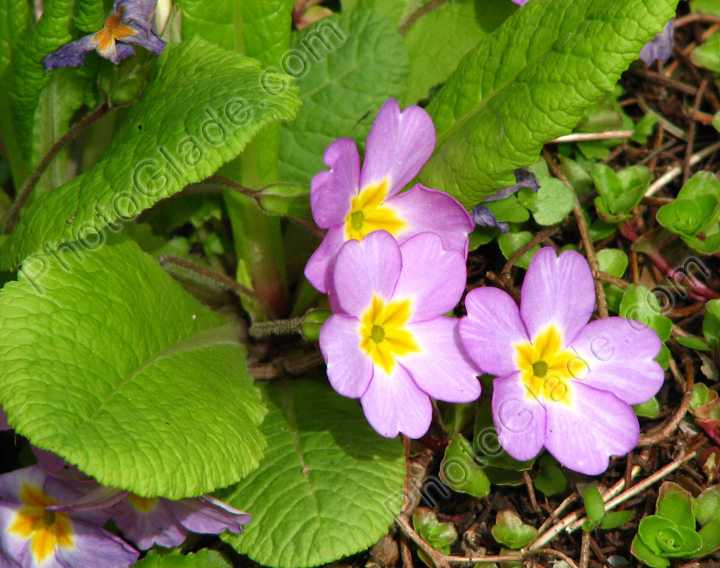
690, 18
587, 136
13, 215
438, 559
605, 277
674, 421
531, 491
585, 550
509, 557
417, 14
537, 239
405, 551
674, 172
592, 260
691, 131
556, 513
220, 279
546, 537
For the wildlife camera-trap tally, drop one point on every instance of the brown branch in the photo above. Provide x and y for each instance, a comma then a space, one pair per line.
665, 81
531, 491
585, 550
690, 18
605, 277
537, 239
13, 215
674, 421
230, 184
691, 131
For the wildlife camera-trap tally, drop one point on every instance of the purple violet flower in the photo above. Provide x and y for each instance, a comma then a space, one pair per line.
483, 217
351, 203
388, 343
563, 383
520, 2
156, 520
131, 21
33, 535
660, 47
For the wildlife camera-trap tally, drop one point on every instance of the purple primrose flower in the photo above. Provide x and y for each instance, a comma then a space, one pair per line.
389, 345
563, 383
156, 520
351, 203
131, 21
33, 535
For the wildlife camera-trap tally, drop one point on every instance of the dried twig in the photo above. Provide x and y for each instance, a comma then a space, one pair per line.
588, 136
585, 550
674, 172
531, 491
691, 131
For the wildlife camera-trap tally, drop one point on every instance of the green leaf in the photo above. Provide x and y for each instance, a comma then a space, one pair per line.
707, 55
613, 261
594, 504
108, 362
202, 559
89, 15
552, 202
344, 78
648, 409
507, 97
642, 552
578, 177
481, 236
675, 503
615, 519
710, 535
328, 487
707, 505
458, 416
641, 305
663, 357
550, 480
508, 210
711, 323
459, 471
711, 7
510, 530
439, 39
218, 105
693, 343
510, 242
51, 32
438, 535
619, 194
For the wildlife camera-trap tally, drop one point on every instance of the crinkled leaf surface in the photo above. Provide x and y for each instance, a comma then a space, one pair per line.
328, 486
439, 39
359, 64
528, 82
108, 362
201, 107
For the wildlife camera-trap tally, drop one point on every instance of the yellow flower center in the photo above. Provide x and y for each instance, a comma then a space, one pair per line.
369, 213
47, 529
114, 29
383, 334
142, 504
546, 369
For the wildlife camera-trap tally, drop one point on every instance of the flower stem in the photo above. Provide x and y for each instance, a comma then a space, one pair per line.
13, 215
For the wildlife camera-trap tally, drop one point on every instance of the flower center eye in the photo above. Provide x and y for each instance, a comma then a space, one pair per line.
377, 334
540, 368
356, 220
49, 518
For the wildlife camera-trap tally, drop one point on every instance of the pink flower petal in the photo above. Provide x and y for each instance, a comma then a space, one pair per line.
595, 425
331, 191
430, 210
434, 279
366, 268
394, 404
147, 528
519, 418
442, 369
560, 290
96, 547
319, 268
397, 147
619, 354
490, 329
349, 369
207, 515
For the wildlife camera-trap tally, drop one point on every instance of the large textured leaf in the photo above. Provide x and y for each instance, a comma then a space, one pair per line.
528, 82
328, 485
343, 81
51, 32
202, 559
201, 107
439, 39
108, 362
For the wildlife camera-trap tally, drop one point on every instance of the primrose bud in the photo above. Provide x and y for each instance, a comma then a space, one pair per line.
312, 322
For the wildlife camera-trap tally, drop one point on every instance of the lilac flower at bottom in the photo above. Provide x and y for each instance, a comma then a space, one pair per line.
156, 520
562, 382
33, 535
